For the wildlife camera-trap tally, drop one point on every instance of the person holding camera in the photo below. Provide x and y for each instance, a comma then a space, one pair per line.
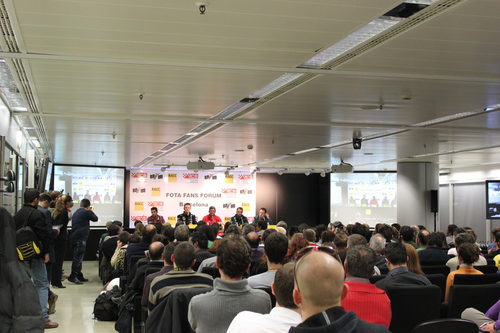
33, 238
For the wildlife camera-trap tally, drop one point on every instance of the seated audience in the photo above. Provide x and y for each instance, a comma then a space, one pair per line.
168, 265
181, 233
407, 235
182, 276
139, 228
281, 318
297, 243
396, 259
199, 240
255, 253
275, 248
108, 247
310, 235
356, 239
495, 248
153, 255
340, 242
377, 244
118, 258
319, 288
435, 252
450, 232
413, 262
139, 248
487, 322
261, 227
214, 311
327, 236
422, 238
467, 255
281, 230
460, 239
368, 302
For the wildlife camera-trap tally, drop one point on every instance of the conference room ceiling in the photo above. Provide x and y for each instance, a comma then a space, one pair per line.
90, 60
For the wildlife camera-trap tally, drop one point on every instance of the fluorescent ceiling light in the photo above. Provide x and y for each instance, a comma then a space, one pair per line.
192, 133
36, 143
446, 118
304, 151
231, 111
277, 84
19, 109
355, 39
421, 2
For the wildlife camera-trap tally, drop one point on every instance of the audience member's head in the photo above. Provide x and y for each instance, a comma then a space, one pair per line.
468, 253
464, 238
124, 238
155, 250
282, 224
361, 229
261, 225
168, 232
283, 286
248, 228
85, 203
360, 261
276, 247
327, 236
134, 238
183, 257
396, 255
451, 229
310, 235
168, 252
199, 240
423, 238
386, 231
181, 233
297, 243
319, 283
160, 238
31, 196
44, 200
356, 239
233, 257
233, 230
281, 230
266, 234
407, 234
139, 228
436, 239
148, 233
319, 230
253, 239
114, 229
397, 226
377, 243
413, 261
293, 230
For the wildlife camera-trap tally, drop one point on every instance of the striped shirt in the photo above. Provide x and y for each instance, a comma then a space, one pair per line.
162, 285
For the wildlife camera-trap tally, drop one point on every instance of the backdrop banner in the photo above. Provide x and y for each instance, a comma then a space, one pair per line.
169, 191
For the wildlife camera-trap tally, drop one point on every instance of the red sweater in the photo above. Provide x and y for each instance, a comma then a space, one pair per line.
368, 302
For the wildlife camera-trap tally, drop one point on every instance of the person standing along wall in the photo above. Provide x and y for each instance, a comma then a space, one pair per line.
79, 235
61, 220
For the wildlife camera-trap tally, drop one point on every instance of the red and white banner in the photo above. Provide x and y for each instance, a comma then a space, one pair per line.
169, 191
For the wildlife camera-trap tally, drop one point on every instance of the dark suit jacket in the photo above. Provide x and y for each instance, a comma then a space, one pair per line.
433, 254
401, 276
109, 246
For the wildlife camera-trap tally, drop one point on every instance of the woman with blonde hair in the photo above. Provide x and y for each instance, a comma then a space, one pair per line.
413, 263
60, 219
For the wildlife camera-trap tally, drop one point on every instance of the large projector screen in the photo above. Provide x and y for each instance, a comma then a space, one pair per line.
365, 197
103, 186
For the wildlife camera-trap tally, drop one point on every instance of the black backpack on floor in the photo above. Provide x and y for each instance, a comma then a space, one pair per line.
104, 308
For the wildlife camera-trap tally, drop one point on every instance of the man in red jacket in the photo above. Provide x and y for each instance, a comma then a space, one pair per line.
368, 302
211, 218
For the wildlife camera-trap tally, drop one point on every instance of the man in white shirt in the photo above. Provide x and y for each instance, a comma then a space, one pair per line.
275, 248
285, 315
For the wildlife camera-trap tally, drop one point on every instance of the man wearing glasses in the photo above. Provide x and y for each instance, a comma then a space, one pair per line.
319, 288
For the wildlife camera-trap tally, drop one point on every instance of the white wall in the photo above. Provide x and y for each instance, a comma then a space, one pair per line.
10, 129
464, 191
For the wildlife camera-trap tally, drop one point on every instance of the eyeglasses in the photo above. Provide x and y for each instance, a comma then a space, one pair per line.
305, 251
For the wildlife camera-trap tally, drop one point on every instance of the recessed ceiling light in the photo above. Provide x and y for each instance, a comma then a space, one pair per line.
368, 154
239, 150
192, 133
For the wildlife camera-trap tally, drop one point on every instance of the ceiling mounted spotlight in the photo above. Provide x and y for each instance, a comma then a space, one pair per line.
307, 173
227, 171
281, 171
323, 174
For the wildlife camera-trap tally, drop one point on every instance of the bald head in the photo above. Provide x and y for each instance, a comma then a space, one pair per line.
252, 239
281, 230
320, 282
155, 250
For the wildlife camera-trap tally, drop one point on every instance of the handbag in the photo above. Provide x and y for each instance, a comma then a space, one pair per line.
28, 245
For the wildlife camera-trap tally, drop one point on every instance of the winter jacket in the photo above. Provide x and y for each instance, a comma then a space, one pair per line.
19, 308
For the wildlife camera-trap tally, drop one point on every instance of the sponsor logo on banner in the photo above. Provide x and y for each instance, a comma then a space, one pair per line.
172, 220
245, 177
139, 175
210, 177
190, 177
245, 206
227, 219
244, 191
228, 205
155, 203
229, 190
155, 191
138, 218
172, 178
139, 205
229, 179
156, 176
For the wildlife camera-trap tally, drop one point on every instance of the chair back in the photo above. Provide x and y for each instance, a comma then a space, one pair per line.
212, 271
412, 305
470, 279
480, 297
490, 262
436, 269
487, 269
432, 263
438, 280
446, 326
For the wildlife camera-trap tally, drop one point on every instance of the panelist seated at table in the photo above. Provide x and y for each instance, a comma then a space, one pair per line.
186, 217
155, 218
211, 218
239, 218
262, 216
